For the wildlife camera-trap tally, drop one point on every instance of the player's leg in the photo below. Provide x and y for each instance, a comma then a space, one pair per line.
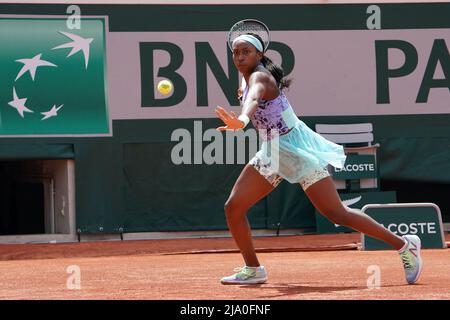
326, 200
249, 188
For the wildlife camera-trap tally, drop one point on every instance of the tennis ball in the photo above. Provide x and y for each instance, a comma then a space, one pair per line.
165, 86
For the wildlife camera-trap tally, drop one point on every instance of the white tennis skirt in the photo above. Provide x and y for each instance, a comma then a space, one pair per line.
299, 156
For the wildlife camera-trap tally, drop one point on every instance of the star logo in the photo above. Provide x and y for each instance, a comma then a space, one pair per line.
78, 44
53, 112
32, 64
42, 80
19, 104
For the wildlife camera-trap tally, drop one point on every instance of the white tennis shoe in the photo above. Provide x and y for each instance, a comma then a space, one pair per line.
247, 275
412, 262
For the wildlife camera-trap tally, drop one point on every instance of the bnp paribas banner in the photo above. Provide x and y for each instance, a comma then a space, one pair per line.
335, 72
52, 78
57, 80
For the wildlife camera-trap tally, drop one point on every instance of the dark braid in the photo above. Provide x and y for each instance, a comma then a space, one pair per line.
276, 71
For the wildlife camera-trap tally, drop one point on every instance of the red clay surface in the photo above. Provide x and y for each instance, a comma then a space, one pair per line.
158, 269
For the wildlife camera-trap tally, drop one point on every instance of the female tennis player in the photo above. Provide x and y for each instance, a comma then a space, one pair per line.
302, 157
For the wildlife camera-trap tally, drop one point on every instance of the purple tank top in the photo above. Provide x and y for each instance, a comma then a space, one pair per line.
273, 117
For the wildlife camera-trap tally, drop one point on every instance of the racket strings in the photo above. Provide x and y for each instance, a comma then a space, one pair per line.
249, 26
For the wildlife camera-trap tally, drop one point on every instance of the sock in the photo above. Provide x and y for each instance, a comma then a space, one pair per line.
252, 268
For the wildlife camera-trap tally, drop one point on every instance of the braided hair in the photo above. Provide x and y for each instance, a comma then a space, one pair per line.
276, 70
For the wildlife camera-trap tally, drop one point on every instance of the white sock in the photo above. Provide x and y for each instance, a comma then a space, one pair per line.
252, 268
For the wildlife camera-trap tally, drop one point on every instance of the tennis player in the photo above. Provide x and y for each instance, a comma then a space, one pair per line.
302, 157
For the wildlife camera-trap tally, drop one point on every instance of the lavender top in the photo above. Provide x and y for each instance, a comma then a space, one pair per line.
273, 117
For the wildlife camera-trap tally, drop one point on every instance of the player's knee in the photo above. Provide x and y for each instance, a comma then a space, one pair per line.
233, 209
228, 208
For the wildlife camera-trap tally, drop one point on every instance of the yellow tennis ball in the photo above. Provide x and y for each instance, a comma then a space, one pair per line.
165, 86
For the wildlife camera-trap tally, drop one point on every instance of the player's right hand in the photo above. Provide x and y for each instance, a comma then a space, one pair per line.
230, 119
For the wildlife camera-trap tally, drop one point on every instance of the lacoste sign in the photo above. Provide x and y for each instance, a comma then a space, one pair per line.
356, 166
421, 219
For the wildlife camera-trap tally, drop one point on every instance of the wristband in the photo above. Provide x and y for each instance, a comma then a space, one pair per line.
245, 119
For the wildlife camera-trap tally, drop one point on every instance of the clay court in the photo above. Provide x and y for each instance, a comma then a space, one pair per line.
299, 267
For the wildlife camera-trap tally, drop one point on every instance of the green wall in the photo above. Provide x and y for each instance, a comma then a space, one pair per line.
127, 181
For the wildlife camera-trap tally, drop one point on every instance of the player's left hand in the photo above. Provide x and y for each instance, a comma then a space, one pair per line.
230, 119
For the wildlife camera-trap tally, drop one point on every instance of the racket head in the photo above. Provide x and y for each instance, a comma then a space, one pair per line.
247, 26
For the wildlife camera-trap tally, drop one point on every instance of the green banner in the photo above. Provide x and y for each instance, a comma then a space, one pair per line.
127, 181
53, 79
421, 219
356, 167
